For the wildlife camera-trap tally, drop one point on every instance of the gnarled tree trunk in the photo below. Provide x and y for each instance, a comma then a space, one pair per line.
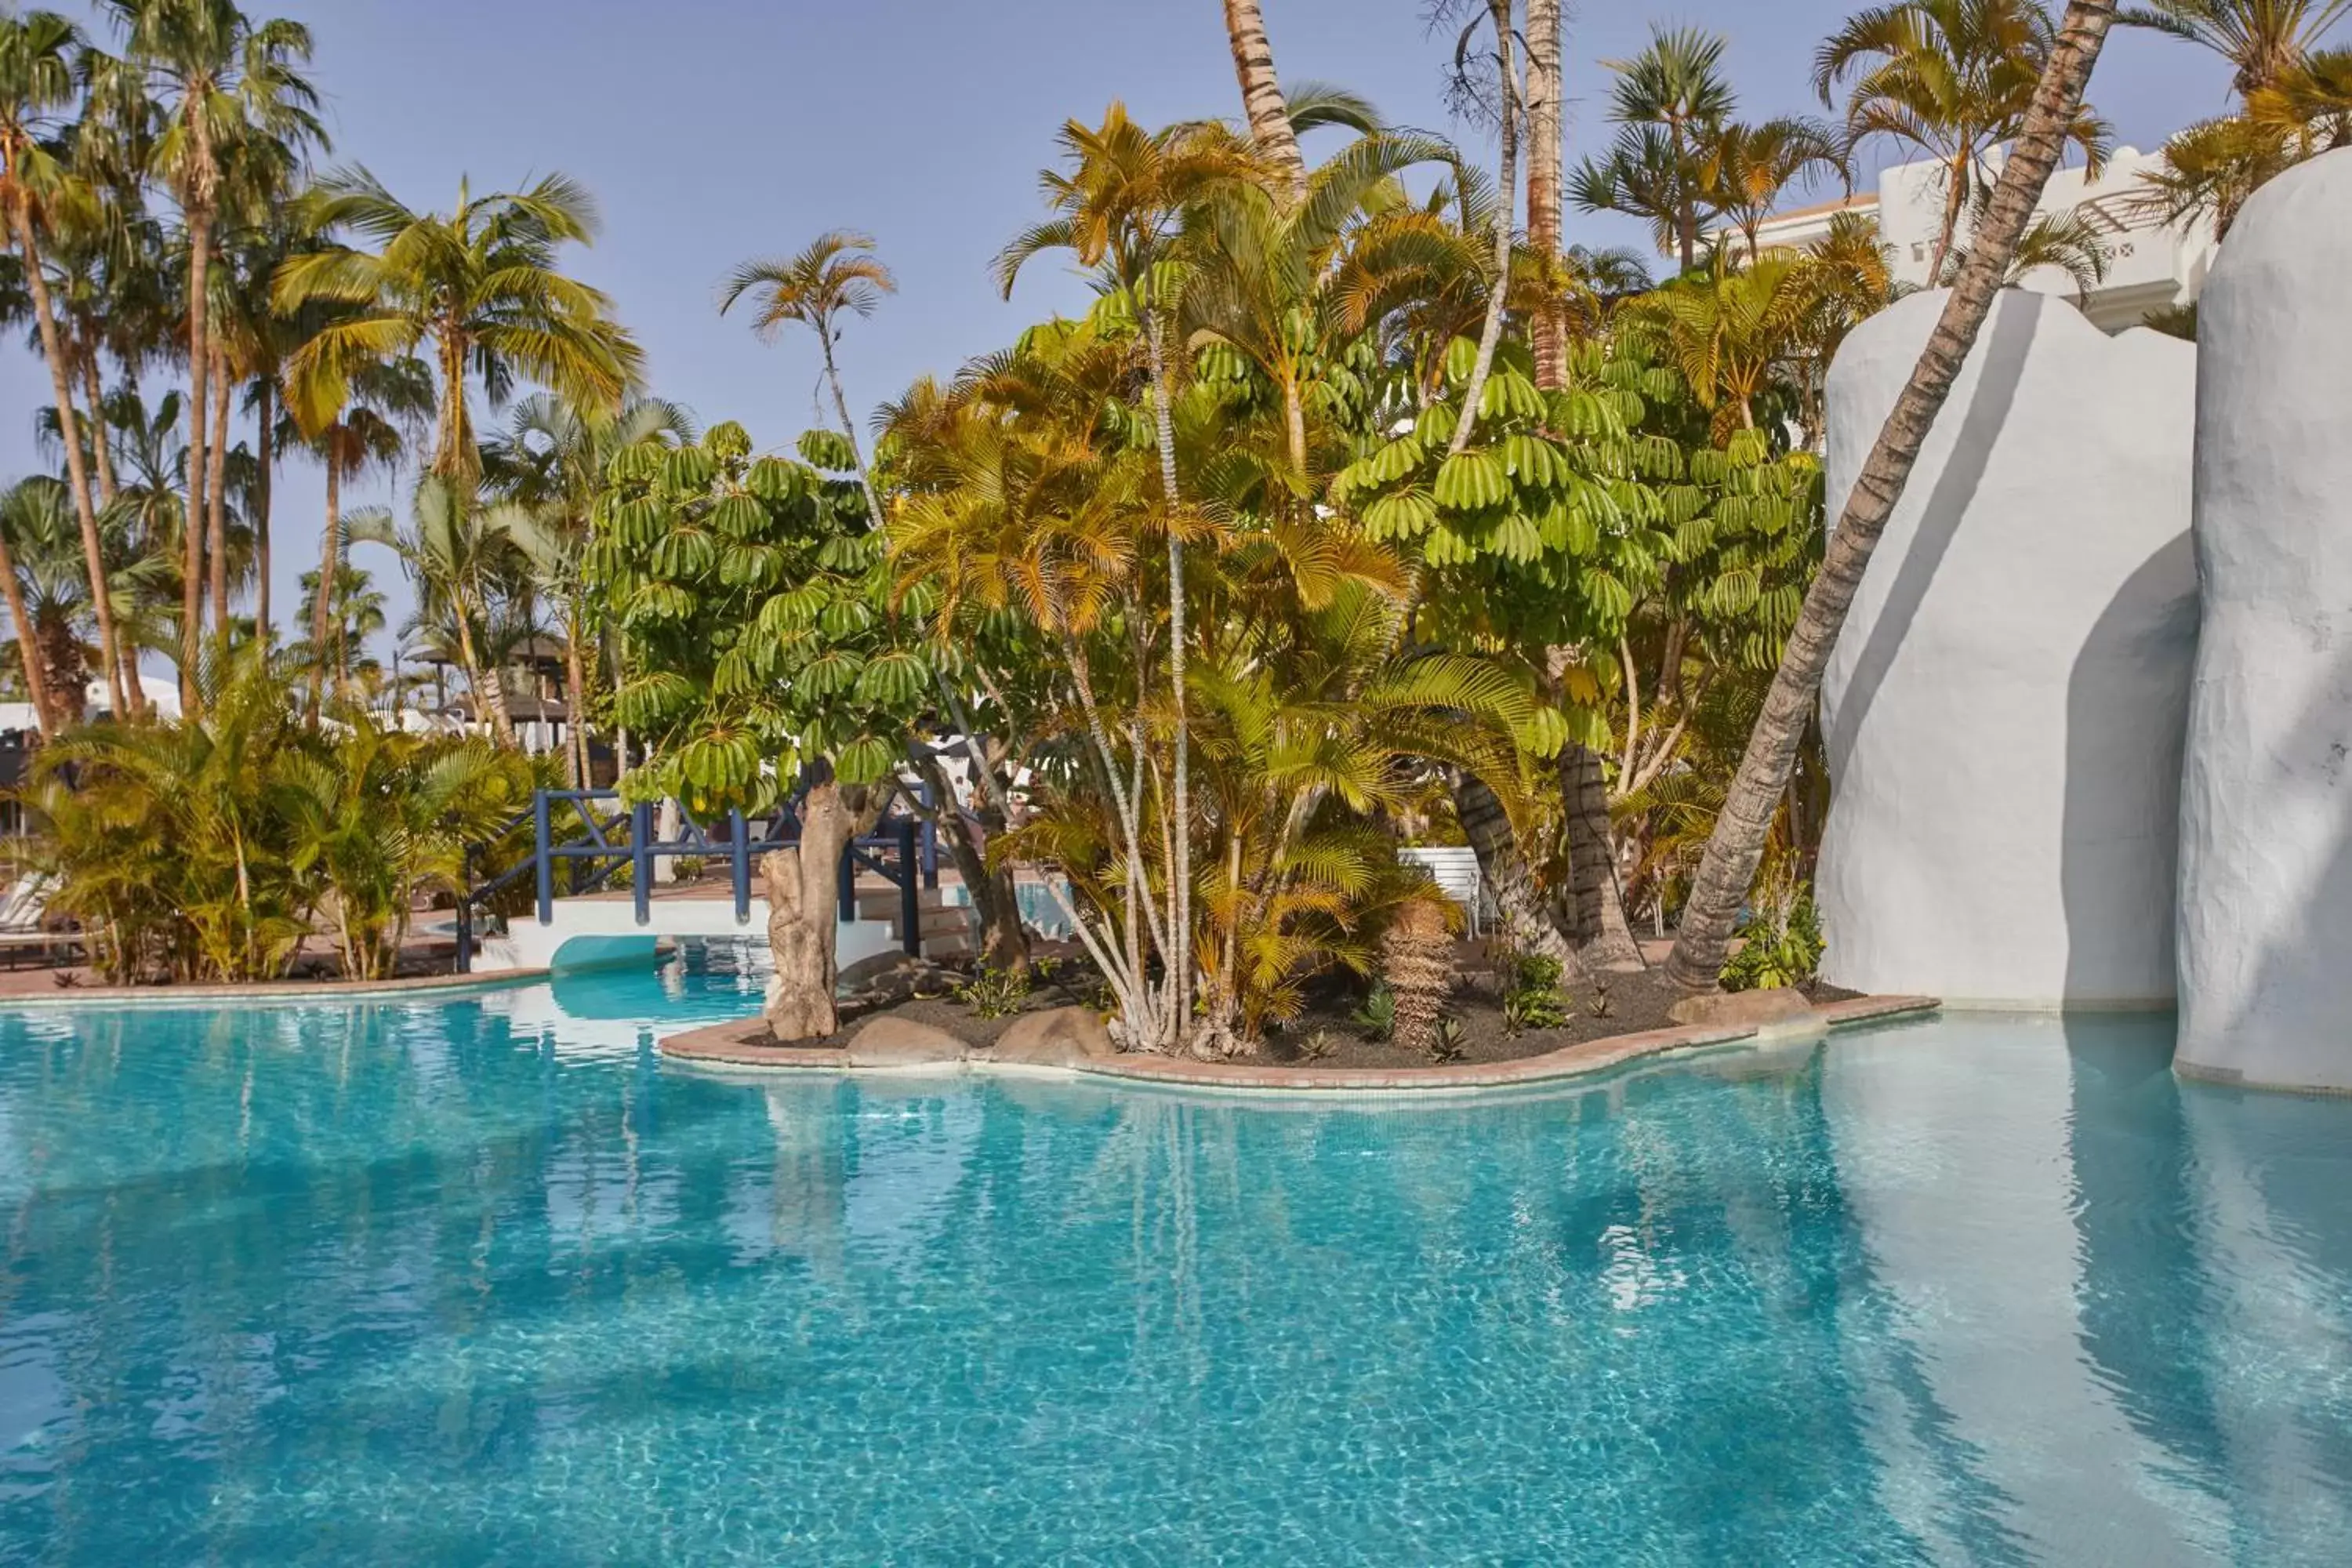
801, 880
1737, 845
1003, 944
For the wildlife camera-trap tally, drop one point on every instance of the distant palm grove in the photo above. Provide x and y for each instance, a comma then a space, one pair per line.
1362, 511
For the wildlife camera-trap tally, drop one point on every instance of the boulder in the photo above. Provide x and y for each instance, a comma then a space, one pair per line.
890, 1041
888, 978
2004, 709
1742, 1009
2266, 910
1054, 1037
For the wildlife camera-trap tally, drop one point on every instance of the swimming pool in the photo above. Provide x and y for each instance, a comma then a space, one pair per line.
480, 1280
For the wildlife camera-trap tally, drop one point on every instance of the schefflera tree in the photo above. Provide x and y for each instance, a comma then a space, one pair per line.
760, 655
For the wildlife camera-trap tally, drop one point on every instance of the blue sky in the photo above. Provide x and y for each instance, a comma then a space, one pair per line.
716, 130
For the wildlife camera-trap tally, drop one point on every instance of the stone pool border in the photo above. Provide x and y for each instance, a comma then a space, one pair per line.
272, 991
722, 1047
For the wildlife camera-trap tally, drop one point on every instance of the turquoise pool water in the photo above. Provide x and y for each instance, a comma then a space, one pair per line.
481, 1281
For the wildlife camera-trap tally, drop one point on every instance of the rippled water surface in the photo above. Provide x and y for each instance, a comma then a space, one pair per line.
481, 1281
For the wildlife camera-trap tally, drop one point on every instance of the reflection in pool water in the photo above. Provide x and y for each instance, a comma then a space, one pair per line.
482, 1281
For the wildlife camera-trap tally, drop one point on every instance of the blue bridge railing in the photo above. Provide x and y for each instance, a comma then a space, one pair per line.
591, 835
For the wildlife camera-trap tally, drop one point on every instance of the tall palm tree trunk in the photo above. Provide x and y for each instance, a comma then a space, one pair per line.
1262, 101
192, 580
1737, 845
1507, 189
77, 474
1177, 1026
331, 566
100, 448
28, 652
267, 457
216, 502
1956, 197
489, 692
576, 675
1544, 155
874, 518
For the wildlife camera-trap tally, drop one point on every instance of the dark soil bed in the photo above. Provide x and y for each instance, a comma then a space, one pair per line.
1326, 1036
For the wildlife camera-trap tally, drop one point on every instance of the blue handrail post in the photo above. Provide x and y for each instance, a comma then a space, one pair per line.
641, 858
545, 851
910, 903
845, 900
466, 911
930, 831
738, 839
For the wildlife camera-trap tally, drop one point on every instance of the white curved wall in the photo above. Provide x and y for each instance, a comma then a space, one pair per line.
2266, 867
2004, 708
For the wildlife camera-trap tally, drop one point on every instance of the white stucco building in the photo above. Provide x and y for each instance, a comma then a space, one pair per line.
2150, 265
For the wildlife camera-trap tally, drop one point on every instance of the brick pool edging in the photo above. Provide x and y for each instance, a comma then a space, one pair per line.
723, 1045
272, 991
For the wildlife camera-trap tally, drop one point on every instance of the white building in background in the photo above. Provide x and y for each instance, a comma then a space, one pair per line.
2150, 265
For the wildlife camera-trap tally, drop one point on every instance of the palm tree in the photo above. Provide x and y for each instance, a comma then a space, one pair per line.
455, 549
551, 464
2262, 39
479, 284
353, 613
836, 275
227, 91
1666, 100
367, 416
1269, 117
1258, 269
36, 516
36, 78
1749, 168
1952, 78
1119, 202
1726, 328
23, 512
2052, 120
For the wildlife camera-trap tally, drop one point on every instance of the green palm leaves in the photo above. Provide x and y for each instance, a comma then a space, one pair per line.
480, 285
1951, 78
206, 849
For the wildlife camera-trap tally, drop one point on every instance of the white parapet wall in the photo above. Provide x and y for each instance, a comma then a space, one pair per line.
2266, 805
2005, 706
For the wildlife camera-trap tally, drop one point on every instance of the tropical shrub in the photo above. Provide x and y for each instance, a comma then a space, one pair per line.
211, 850
994, 993
1783, 947
1532, 997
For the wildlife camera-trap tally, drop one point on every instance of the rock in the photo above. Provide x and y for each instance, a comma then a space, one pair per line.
901, 1042
1055, 1038
2005, 706
2265, 913
1741, 1009
887, 979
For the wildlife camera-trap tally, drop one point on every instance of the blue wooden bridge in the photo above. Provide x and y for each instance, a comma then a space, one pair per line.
583, 839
